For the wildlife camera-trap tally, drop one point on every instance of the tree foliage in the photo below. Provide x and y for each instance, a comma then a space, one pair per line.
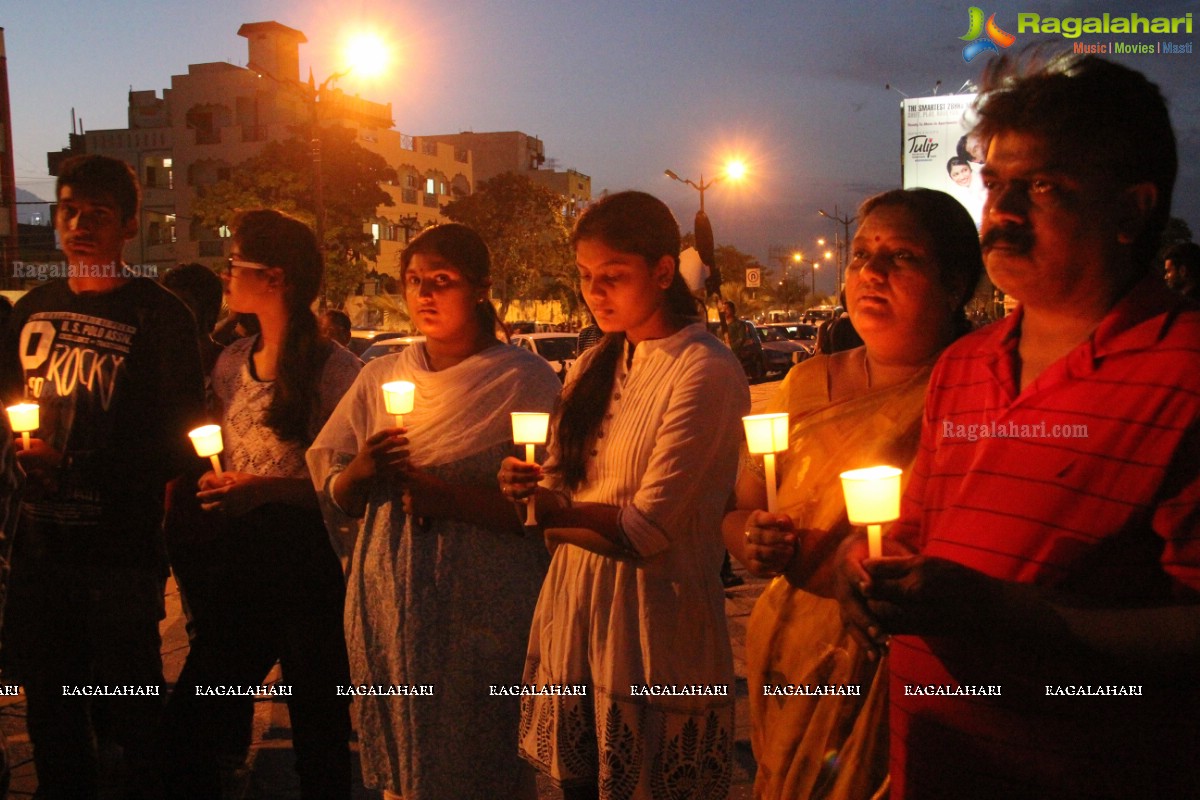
523, 225
1176, 231
281, 177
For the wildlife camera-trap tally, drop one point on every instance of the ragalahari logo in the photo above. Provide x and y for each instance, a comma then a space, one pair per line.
994, 36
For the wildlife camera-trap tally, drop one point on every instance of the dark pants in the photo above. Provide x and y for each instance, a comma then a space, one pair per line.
271, 590
86, 627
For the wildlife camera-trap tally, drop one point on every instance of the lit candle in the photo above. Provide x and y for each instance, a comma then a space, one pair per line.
529, 429
24, 419
398, 398
207, 441
766, 435
872, 498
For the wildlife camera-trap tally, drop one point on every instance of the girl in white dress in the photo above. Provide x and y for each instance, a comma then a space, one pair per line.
643, 456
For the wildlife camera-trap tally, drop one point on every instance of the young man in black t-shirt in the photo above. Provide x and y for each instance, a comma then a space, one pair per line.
113, 362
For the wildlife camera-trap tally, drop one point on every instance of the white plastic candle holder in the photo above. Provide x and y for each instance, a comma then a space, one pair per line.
530, 428
208, 443
24, 418
872, 499
398, 397
766, 435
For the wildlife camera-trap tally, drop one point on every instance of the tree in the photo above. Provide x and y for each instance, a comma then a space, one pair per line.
281, 177
523, 226
1176, 231
790, 293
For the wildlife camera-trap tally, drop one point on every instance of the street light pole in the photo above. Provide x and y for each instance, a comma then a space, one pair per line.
316, 93
312, 98
845, 243
700, 187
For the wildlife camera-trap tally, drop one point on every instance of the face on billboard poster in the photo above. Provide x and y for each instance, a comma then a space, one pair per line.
939, 152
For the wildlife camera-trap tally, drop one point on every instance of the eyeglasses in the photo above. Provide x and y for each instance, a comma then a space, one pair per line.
230, 263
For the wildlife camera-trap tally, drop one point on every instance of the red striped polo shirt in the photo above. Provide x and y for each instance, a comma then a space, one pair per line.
1088, 481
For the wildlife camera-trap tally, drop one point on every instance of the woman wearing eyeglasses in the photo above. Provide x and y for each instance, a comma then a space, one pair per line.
275, 589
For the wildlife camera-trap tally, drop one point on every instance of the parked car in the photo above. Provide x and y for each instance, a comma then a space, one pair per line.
752, 356
560, 349
386, 347
787, 343
362, 338
818, 314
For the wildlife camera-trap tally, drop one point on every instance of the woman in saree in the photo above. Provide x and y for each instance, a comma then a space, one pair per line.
914, 263
442, 581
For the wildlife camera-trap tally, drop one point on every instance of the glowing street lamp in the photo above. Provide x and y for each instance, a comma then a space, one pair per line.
735, 170
366, 55
845, 242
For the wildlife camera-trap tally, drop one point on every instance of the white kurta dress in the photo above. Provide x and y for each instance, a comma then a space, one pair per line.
647, 636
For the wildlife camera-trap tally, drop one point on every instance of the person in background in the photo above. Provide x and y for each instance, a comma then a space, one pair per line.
272, 588
838, 333
742, 339
190, 532
1058, 560
643, 456
201, 291
233, 327
335, 326
914, 263
589, 336
1181, 268
442, 582
88, 568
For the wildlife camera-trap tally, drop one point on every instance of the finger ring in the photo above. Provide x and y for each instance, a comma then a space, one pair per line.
747, 532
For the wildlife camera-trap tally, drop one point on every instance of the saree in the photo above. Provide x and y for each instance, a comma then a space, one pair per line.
834, 745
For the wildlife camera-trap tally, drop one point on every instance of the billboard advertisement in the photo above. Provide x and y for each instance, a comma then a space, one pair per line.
938, 153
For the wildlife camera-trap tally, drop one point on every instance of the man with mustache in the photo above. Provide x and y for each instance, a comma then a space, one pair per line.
1043, 581
113, 363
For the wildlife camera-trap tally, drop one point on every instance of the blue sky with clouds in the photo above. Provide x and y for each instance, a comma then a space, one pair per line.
617, 89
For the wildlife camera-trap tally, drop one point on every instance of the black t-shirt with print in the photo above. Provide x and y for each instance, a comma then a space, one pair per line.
118, 380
